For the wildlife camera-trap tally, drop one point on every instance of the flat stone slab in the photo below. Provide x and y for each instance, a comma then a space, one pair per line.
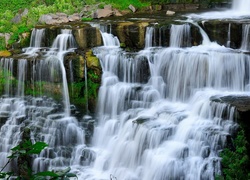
242, 103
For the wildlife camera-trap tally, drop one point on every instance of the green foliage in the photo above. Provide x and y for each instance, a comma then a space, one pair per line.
235, 163
24, 150
14, 5
87, 19
2, 43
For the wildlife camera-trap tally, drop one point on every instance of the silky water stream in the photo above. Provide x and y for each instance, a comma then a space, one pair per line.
154, 120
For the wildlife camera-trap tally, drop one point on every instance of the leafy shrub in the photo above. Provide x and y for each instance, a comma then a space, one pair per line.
235, 162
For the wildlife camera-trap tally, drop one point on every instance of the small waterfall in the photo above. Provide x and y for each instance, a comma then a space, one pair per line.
63, 44
245, 45
149, 37
13, 111
37, 36
206, 40
22, 69
108, 38
229, 36
241, 5
180, 36
36, 39
7, 69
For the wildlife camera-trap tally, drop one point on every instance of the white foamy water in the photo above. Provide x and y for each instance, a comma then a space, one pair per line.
154, 121
165, 127
240, 9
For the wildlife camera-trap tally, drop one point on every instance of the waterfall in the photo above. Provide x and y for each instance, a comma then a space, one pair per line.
63, 44
160, 123
149, 37
241, 5
155, 117
229, 36
180, 36
245, 44
108, 38
240, 9
36, 39
7, 66
22, 69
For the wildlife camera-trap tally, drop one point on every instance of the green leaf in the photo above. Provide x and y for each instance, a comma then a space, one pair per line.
47, 173
63, 172
37, 148
71, 175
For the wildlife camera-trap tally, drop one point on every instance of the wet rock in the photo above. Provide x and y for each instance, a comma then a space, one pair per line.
92, 60
218, 31
241, 103
87, 157
87, 37
242, 113
170, 13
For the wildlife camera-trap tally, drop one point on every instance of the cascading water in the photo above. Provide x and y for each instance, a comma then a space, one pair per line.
240, 9
245, 45
161, 124
156, 120
37, 36
241, 6
49, 122
64, 43
180, 36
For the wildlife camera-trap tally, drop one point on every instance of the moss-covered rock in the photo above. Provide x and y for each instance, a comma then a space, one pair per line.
5, 53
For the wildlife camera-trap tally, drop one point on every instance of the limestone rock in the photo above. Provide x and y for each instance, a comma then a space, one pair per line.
74, 17
18, 17
102, 13
108, 7
132, 8
51, 19
242, 103
170, 13
45, 18
117, 13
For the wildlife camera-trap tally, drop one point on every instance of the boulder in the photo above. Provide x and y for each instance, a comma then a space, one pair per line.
132, 8
117, 13
102, 13
74, 17
108, 7
18, 17
170, 13
45, 18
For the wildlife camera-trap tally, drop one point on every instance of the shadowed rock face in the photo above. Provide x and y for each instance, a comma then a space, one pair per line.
241, 103
222, 32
